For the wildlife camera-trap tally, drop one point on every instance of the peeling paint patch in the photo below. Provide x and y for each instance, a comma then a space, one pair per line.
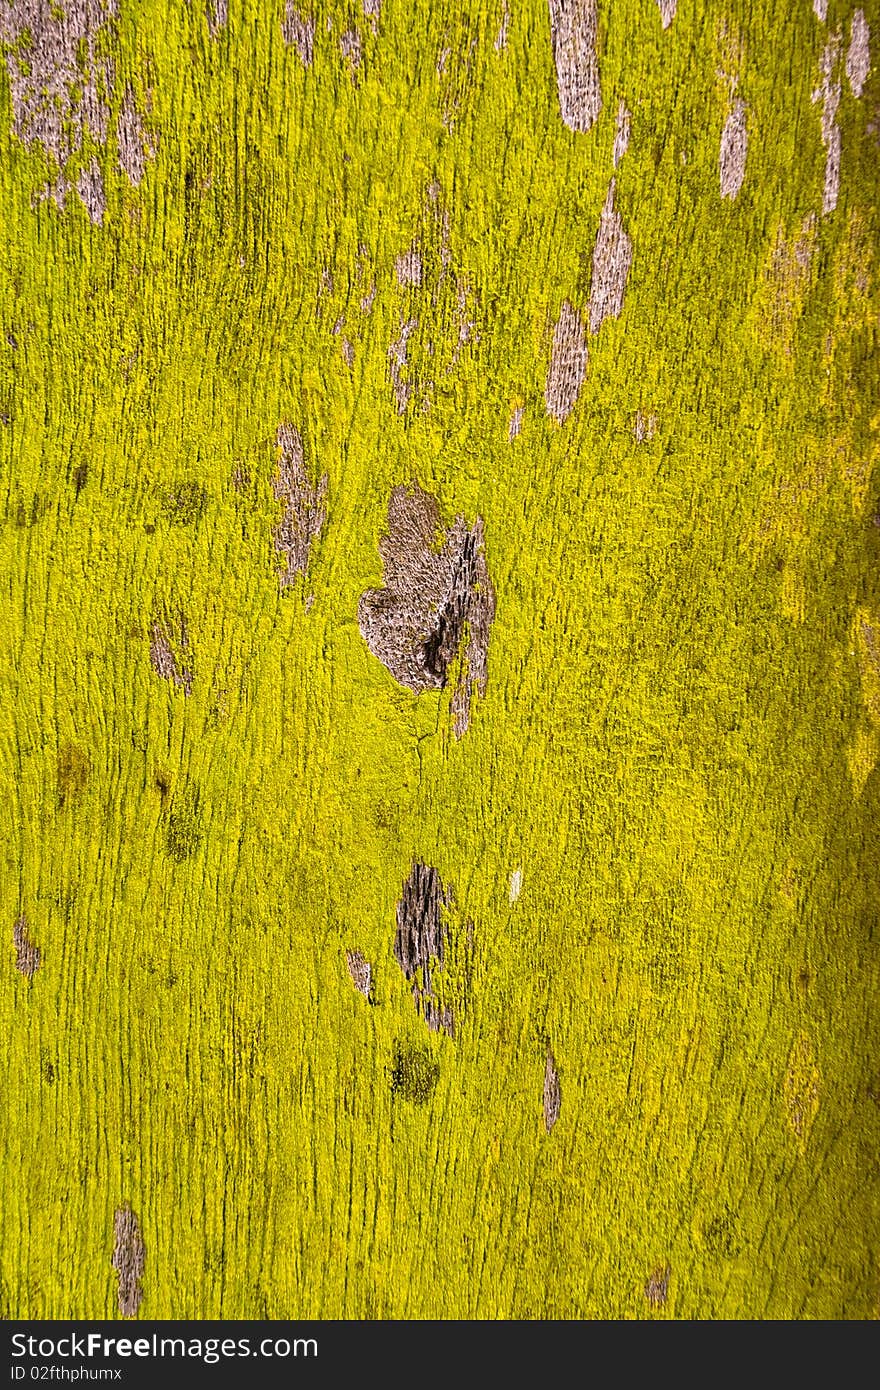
361, 972
667, 10
574, 33
438, 602
820, 10
858, 57
515, 426
129, 1260
304, 513
298, 31
28, 956
734, 147
167, 662
657, 1287
552, 1093
372, 10
622, 133
829, 94
802, 1089
420, 939
568, 364
612, 258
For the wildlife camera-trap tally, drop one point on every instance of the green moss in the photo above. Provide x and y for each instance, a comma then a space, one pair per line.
677, 744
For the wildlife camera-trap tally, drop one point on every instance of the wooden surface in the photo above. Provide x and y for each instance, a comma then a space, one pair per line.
631, 355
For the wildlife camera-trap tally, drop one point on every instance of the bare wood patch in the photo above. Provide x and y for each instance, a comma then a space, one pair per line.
820, 10
438, 602
574, 33
501, 36
352, 49
420, 930
304, 512
441, 323
57, 189
372, 10
129, 1260
516, 879
28, 955
786, 279
734, 147
657, 1287
218, 16
552, 1093
397, 365
456, 67
829, 93
858, 57
298, 31
515, 426
170, 652
60, 81
361, 972
612, 258
464, 323
667, 10
622, 132
568, 364
133, 145
408, 268
644, 427
420, 939
90, 187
